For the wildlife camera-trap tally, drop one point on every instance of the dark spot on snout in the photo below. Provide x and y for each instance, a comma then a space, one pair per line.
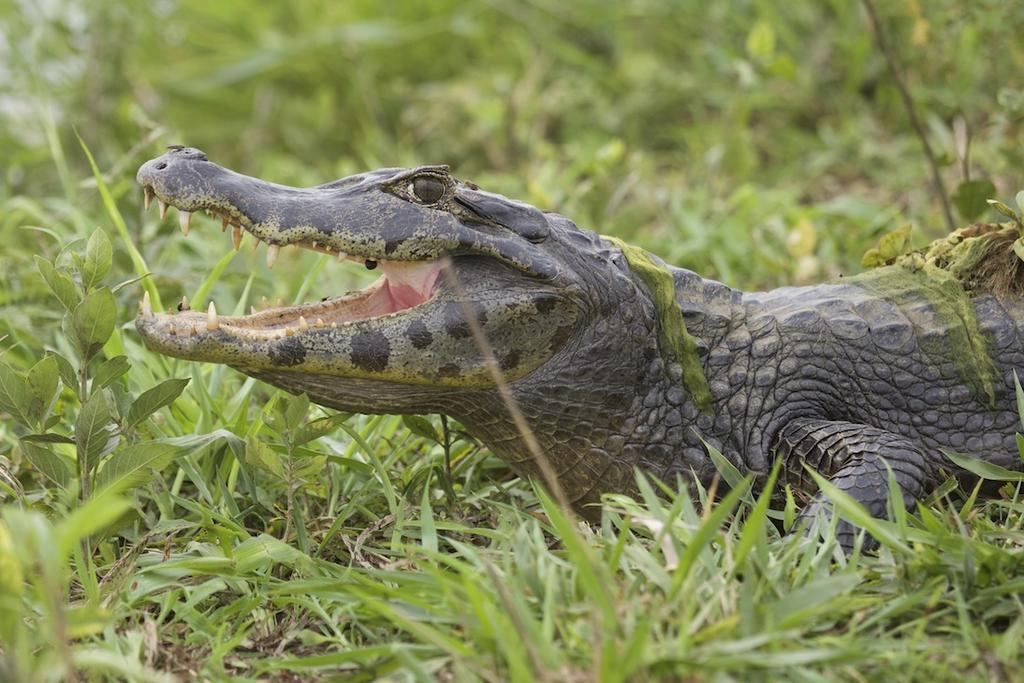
371, 351
418, 334
455, 322
288, 352
545, 304
392, 245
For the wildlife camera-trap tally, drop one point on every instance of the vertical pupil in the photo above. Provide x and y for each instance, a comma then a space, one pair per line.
428, 190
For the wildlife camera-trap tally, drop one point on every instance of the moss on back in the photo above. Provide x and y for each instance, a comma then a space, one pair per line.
674, 340
976, 260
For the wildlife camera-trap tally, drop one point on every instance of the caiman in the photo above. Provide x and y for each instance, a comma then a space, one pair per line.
521, 326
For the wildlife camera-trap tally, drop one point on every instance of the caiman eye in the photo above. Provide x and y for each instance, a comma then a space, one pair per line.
428, 189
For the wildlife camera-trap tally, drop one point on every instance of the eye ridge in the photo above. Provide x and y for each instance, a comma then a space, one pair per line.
428, 189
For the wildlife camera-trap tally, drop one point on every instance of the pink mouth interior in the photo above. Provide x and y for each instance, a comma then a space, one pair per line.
406, 284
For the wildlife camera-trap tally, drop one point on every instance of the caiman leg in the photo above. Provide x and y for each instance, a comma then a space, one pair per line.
854, 458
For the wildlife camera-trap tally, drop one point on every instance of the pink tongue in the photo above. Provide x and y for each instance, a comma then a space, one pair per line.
409, 283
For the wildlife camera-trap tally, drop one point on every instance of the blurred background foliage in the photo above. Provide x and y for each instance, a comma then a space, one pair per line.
757, 142
754, 141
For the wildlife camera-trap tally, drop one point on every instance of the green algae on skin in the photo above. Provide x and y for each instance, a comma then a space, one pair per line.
945, 274
676, 343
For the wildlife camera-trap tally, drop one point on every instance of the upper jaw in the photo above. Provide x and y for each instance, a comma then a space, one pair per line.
362, 216
276, 214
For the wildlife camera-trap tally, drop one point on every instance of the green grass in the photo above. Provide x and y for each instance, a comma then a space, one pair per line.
222, 530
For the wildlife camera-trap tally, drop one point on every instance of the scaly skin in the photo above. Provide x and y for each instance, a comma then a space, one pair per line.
831, 375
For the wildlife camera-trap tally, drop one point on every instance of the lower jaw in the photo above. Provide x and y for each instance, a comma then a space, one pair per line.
402, 287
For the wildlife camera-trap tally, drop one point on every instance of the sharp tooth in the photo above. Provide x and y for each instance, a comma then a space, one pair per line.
184, 220
224, 223
334, 326
147, 197
342, 256
173, 332
319, 322
252, 310
272, 251
192, 332
264, 303
314, 244
303, 325
288, 332
236, 237
255, 242
163, 208
183, 304
145, 306
279, 303
212, 322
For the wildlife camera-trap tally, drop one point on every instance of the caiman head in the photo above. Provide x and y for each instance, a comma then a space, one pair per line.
557, 307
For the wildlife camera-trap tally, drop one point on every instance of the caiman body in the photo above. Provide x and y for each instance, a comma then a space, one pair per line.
837, 376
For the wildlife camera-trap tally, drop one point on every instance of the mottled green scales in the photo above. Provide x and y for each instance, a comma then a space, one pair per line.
972, 261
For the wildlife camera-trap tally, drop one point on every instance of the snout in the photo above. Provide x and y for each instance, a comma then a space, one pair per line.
178, 160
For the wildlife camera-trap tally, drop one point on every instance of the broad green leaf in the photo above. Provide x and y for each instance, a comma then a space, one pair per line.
262, 456
1020, 200
14, 394
421, 426
93, 320
58, 282
295, 410
51, 465
109, 371
154, 399
890, 246
67, 372
273, 413
761, 41
264, 551
317, 428
132, 466
971, 198
48, 437
1005, 210
42, 382
94, 432
98, 257
983, 468
96, 514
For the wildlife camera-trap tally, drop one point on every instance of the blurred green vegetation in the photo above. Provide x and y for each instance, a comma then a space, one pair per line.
756, 142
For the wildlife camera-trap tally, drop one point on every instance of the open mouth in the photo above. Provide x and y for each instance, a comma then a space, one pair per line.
403, 285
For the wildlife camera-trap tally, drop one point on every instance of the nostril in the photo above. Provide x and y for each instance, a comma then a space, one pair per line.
161, 166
